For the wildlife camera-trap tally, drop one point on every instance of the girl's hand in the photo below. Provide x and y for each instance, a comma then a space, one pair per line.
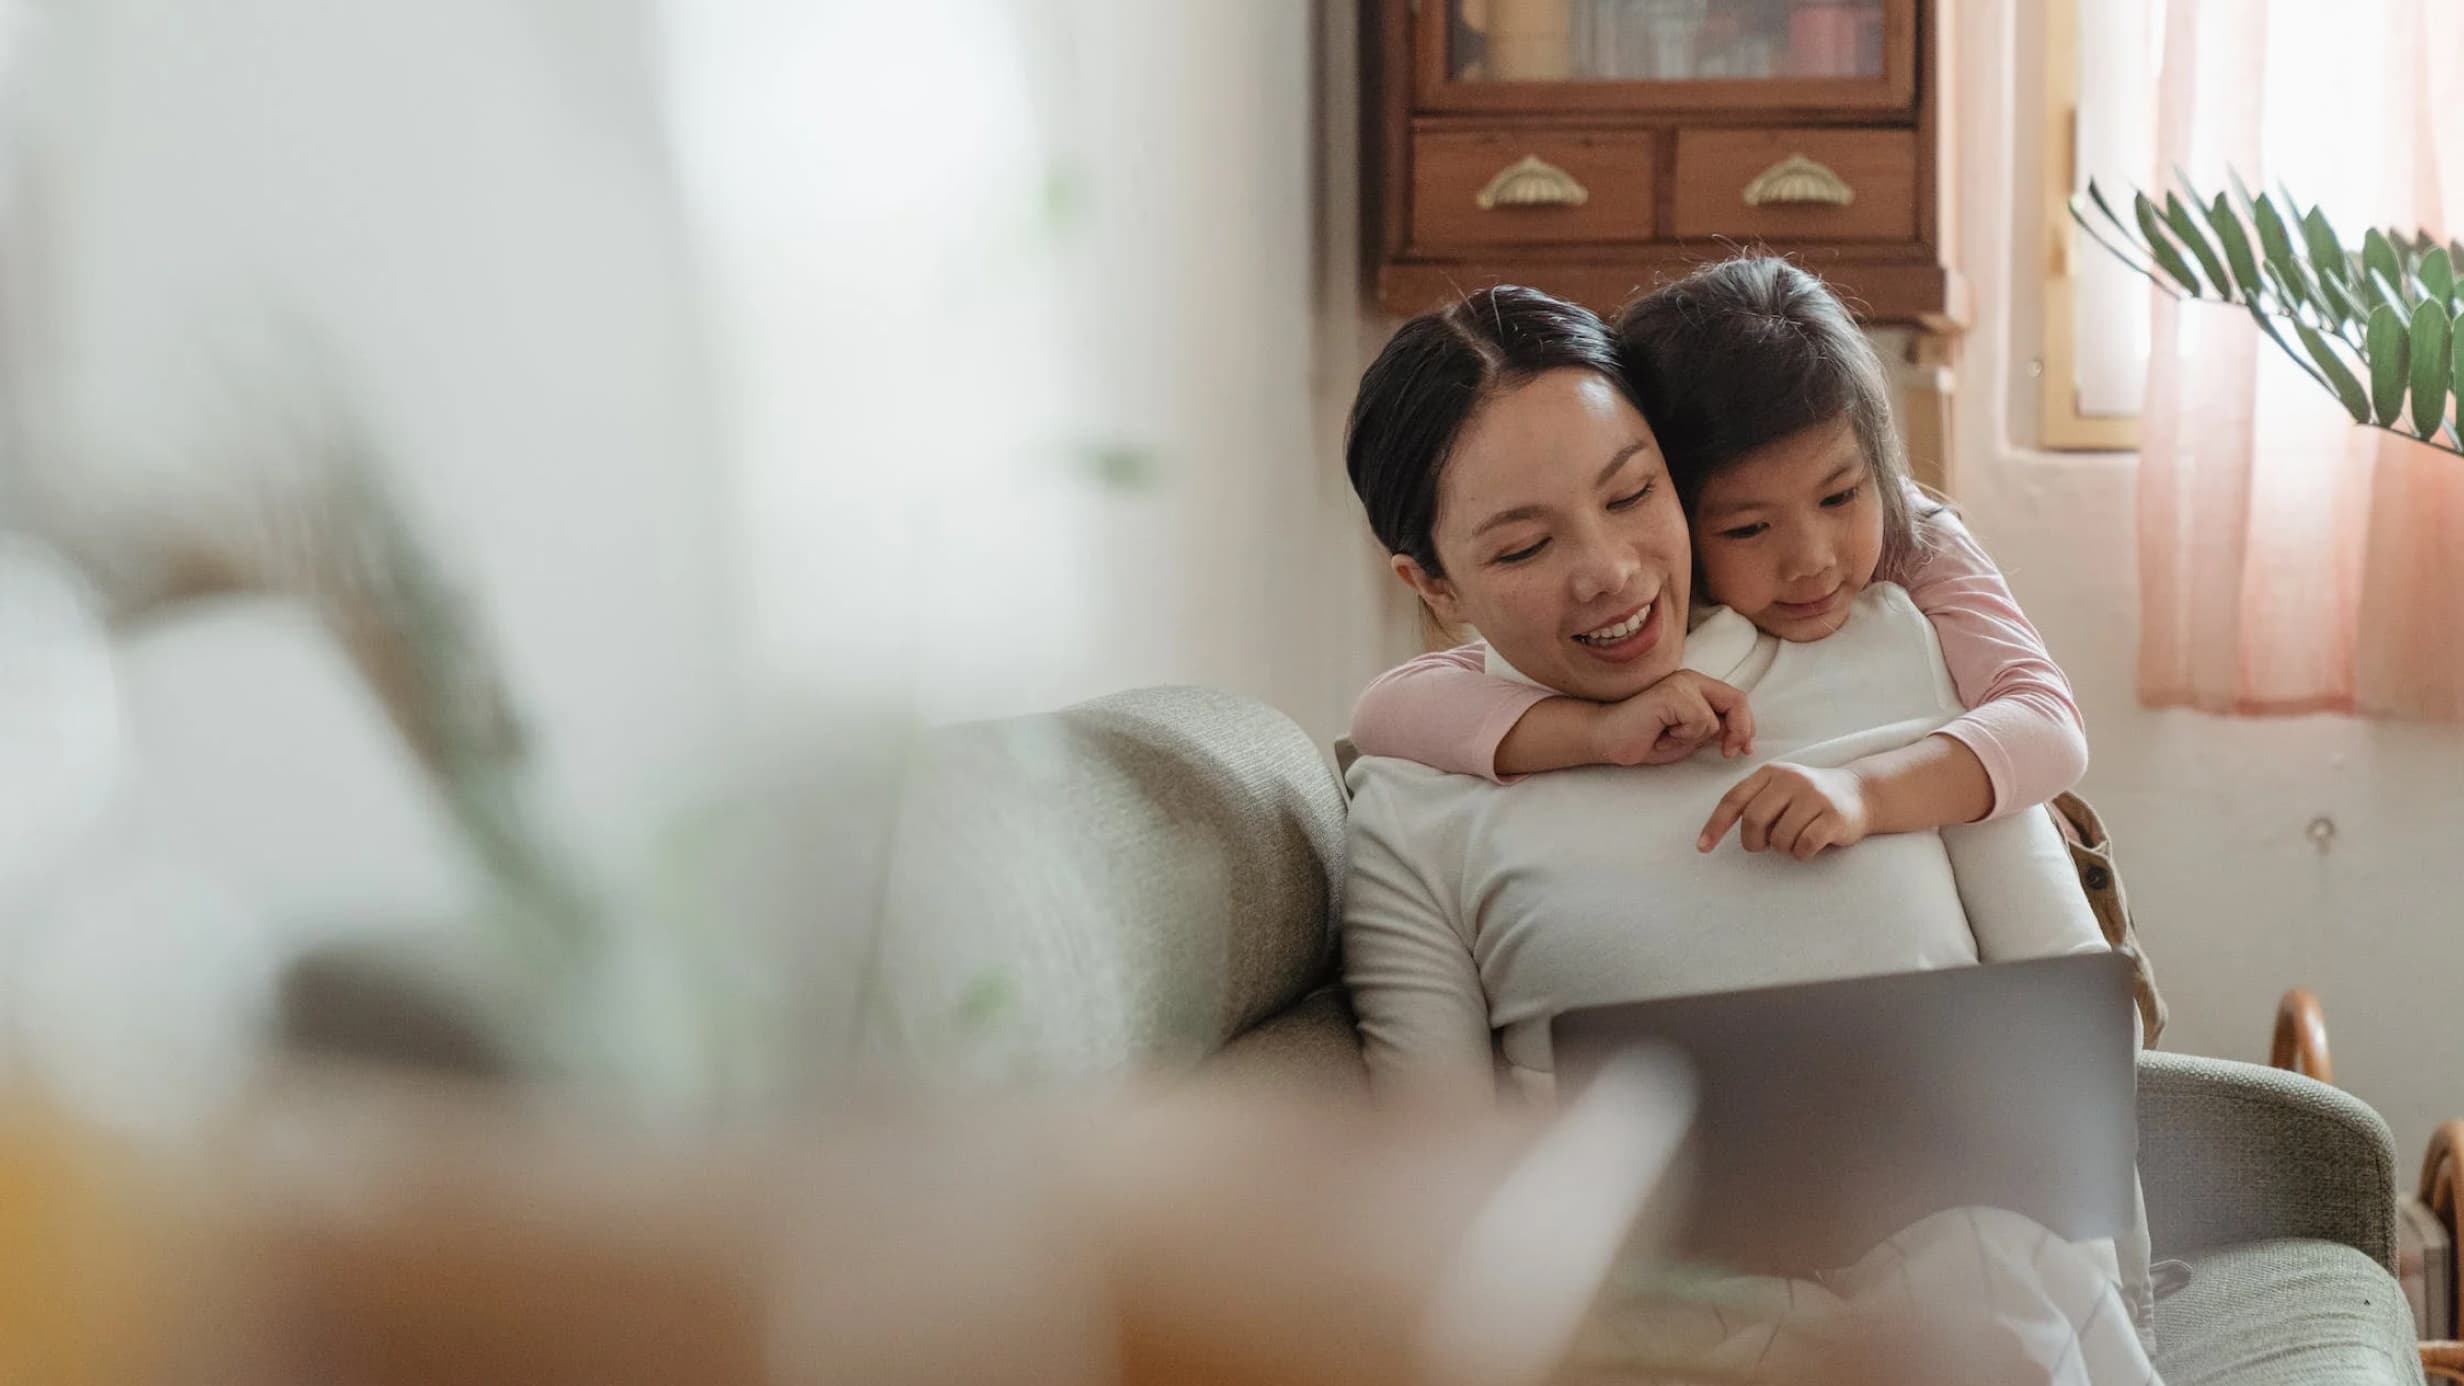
1671, 720
1795, 809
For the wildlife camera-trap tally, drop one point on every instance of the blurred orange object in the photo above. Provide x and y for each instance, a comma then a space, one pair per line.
347, 1230
74, 1256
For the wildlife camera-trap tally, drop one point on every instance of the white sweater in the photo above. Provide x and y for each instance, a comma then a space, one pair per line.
1476, 911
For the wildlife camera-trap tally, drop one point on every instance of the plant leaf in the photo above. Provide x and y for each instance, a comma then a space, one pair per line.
2379, 254
2375, 289
2267, 324
2133, 258
2455, 344
2384, 291
2236, 244
2097, 195
2340, 377
2278, 246
2388, 343
2343, 300
2186, 229
2431, 330
2326, 252
2292, 295
2438, 274
2161, 246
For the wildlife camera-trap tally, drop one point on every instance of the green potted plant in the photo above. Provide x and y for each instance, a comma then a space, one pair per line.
2380, 327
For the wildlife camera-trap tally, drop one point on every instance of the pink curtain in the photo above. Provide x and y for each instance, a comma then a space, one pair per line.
2290, 561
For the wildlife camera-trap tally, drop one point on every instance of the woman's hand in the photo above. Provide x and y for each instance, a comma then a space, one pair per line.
1671, 720
1795, 809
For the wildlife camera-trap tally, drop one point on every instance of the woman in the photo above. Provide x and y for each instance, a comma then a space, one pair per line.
1501, 457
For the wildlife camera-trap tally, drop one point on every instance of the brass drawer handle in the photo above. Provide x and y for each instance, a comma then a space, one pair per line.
1797, 181
1529, 182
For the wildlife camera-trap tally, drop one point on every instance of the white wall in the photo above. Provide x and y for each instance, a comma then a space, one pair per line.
684, 339
452, 225
996, 274
2210, 815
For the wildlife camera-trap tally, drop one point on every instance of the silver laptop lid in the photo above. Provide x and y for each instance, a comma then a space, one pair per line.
1834, 1114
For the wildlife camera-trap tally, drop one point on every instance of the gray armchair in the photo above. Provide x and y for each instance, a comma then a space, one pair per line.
2279, 1191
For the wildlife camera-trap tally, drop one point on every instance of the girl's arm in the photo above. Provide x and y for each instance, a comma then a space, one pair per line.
2023, 727
1446, 711
2019, 745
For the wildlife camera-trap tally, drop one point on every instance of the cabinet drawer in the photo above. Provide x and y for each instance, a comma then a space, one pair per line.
1542, 187
1787, 185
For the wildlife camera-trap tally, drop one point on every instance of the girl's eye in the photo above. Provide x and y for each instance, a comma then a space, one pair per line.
1744, 531
1841, 498
1629, 502
1522, 554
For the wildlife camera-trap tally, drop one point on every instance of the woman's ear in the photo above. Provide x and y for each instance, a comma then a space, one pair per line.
1434, 590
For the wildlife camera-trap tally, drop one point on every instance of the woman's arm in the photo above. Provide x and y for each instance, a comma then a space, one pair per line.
2021, 890
1446, 711
1415, 987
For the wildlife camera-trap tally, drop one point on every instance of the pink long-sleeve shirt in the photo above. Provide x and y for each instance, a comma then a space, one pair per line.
1446, 711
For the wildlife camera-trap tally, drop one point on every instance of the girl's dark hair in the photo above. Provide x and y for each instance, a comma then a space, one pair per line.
1416, 396
1741, 354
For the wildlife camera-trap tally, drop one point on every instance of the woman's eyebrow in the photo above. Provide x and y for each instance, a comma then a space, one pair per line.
1507, 517
1533, 512
1617, 463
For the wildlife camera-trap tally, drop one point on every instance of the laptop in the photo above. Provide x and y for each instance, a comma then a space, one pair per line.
1834, 1114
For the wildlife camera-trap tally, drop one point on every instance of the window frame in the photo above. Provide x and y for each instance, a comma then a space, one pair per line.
2061, 426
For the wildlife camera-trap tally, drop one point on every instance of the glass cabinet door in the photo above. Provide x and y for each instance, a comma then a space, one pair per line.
1611, 54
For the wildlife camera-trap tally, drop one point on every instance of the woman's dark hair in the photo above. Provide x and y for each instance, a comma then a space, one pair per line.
1741, 354
1439, 367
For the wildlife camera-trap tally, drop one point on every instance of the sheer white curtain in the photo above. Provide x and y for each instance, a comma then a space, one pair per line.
2290, 562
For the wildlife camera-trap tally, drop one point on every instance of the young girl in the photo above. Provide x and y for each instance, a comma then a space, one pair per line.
1774, 413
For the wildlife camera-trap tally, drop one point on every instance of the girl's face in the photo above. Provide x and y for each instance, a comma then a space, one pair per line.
1789, 534
1562, 540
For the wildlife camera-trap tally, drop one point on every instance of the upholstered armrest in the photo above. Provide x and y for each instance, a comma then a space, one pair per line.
1310, 1045
2232, 1152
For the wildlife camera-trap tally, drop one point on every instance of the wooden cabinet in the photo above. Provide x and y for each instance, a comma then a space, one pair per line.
1544, 187
1594, 147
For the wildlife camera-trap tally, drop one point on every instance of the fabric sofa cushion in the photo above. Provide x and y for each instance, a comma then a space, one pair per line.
1313, 1046
2286, 1312
1124, 884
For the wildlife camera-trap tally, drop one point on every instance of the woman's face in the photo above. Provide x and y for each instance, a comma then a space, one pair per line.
1790, 534
1561, 538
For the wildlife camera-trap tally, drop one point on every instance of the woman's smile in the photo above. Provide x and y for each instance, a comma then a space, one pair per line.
1625, 638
